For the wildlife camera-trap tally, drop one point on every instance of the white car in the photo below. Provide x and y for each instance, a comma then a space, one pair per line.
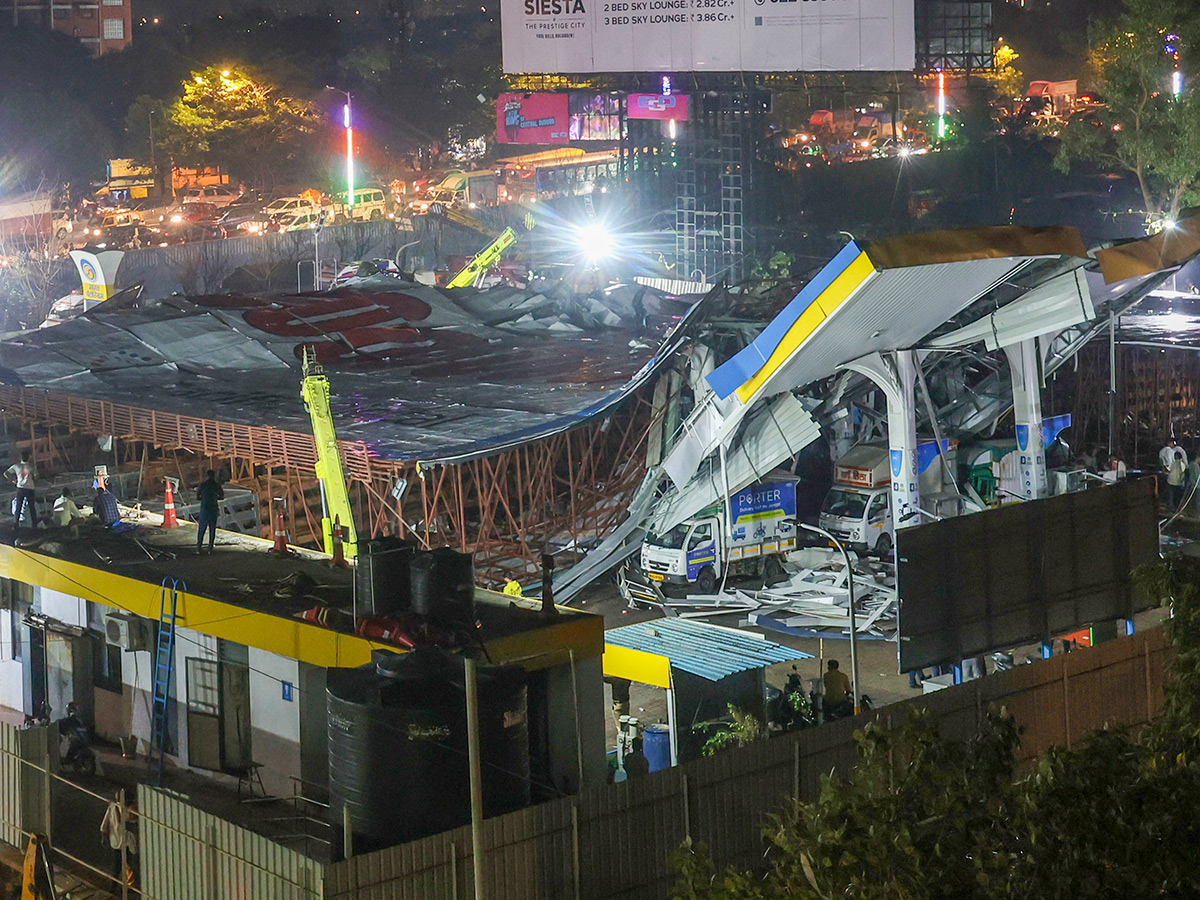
217, 195
300, 221
286, 206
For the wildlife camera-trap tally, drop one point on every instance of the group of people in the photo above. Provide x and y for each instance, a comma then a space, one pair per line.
1182, 475
66, 513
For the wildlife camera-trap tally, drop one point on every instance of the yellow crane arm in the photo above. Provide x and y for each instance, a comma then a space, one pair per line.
315, 391
484, 259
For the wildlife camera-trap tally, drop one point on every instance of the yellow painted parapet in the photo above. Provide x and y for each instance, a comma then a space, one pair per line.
543, 645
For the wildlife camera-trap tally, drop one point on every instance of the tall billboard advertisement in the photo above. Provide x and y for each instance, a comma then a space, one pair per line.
657, 106
532, 119
558, 118
707, 35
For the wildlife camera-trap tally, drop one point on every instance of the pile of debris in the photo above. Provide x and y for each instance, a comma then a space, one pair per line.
812, 602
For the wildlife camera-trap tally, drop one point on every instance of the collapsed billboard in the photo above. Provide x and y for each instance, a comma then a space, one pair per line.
1023, 573
707, 35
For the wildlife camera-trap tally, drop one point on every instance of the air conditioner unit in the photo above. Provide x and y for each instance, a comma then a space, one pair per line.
126, 630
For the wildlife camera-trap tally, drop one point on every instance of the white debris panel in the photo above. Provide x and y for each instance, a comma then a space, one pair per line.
813, 598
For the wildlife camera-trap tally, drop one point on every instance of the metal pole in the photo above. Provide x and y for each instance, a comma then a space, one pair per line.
853, 621
1112, 381
472, 685
124, 814
347, 833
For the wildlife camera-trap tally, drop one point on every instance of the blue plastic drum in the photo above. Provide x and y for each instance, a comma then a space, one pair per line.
656, 745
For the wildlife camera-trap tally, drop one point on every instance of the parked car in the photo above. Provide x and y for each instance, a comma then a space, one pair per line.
195, 212
98, 230
217, 195
244, 218
287, 206
300, 221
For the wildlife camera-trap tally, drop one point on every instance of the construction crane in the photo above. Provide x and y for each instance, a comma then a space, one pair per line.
335, 501
473, 271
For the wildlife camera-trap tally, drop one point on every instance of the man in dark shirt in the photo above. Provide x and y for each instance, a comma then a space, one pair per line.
105, 508
210, 492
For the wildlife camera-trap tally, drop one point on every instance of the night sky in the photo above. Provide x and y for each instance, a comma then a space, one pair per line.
1051, 36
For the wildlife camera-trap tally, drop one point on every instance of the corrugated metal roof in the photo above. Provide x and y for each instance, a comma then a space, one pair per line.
700, 649
781, 431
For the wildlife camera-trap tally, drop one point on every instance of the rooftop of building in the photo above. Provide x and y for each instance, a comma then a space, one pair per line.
243, 592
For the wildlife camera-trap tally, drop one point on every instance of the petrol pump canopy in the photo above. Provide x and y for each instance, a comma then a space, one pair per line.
887, 297
646, 652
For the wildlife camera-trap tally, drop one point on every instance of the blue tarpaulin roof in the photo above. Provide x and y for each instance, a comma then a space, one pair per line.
700, 649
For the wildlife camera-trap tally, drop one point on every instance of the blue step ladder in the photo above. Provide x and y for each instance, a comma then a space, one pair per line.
164, 666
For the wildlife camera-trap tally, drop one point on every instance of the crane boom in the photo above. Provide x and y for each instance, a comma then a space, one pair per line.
315, 391
484, 259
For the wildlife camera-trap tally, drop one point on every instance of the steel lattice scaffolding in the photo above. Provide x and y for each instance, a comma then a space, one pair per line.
564, 491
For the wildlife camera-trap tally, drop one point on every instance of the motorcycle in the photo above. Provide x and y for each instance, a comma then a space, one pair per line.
73, 744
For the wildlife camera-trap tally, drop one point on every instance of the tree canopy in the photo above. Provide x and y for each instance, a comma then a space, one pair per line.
235, 118
1143, 128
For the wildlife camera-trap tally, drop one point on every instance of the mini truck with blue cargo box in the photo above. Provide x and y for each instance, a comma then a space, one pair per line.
701, 549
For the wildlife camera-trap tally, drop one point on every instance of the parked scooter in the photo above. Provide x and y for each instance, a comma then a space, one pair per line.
73, 744
790, 709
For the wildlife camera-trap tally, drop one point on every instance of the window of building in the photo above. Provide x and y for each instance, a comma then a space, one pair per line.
114, 29
17, 631
114, 2
17, 598
106, 663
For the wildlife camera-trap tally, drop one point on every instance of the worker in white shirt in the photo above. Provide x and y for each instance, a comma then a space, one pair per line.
66, 513
23, 474
1166, 455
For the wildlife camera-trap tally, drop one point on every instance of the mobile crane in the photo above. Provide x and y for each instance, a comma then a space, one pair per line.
335, 501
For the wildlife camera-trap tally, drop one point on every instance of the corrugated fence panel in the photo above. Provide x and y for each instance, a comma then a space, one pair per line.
627, 834
10, 786
732, 793
188, 854
617, 840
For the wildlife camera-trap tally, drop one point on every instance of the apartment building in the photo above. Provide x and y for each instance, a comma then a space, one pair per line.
100, 25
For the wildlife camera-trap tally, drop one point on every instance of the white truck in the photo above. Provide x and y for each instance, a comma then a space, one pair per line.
858, 509
700, 550
461, 190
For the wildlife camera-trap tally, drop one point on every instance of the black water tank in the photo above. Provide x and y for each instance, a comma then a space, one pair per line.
443, 586
381, 576
398, 745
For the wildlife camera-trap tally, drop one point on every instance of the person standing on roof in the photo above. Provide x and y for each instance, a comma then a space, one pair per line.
23, 474
210, 492
1166, 455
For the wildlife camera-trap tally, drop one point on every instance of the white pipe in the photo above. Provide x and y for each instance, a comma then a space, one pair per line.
472, 685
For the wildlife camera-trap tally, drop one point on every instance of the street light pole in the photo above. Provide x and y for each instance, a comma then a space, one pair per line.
853, 621
348, 122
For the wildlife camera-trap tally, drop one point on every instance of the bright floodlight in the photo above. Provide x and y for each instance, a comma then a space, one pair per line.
596, 241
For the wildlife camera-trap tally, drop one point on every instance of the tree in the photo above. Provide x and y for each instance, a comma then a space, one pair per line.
1142, 129
1008, 80
236, 119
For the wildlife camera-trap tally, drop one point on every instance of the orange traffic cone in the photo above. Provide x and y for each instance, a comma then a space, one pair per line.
339, 555
169, 519
281, 546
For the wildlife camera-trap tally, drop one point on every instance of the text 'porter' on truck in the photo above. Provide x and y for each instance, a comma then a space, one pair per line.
701, 550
